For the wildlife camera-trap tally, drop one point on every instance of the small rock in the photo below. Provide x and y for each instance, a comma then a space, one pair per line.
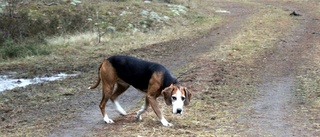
294, 14
18, 81
213, 118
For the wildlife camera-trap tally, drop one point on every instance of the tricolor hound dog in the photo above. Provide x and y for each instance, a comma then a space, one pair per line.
117, 73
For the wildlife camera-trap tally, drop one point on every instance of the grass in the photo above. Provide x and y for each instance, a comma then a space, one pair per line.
309, 86
73, 28
308, 81
255, 38
241, 53
9, 50
67, 47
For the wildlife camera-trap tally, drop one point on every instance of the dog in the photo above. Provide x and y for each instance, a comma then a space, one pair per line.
117, 73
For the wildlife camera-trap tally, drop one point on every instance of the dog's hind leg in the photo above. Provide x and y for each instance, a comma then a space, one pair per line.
106, 94
143, 109
118, 90
108, 78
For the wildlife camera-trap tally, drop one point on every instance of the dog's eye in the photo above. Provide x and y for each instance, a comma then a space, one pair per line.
183, 98
174, 98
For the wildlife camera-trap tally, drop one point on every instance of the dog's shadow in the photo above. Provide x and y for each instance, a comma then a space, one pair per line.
131, 120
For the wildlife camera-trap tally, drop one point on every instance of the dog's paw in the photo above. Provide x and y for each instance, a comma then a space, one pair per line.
139, 113
139, 118
123, 113
166, 123
170, 125
119, 108
108, 120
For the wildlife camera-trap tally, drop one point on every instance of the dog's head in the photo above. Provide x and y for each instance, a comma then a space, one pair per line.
177, 96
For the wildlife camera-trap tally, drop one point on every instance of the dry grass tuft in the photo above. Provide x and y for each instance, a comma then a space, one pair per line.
308, 89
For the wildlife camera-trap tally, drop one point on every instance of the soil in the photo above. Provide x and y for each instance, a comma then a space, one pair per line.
273, 112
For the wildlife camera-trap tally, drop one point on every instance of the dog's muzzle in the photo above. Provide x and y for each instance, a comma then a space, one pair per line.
179, 111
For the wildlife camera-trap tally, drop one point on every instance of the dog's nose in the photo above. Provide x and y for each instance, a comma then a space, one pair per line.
179, 110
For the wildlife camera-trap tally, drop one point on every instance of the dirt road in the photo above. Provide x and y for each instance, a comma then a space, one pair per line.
275, 111
272, 110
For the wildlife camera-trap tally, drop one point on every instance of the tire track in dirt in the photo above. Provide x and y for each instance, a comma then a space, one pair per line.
274, 112
173, 54
272, 107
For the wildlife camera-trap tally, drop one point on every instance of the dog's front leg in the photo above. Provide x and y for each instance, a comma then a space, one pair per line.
154, 104
143, 109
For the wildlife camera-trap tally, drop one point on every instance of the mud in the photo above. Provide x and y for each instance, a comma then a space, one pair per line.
92, 118
8, 83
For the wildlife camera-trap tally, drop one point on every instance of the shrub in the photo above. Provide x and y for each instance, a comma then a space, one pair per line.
9, 49
38, 22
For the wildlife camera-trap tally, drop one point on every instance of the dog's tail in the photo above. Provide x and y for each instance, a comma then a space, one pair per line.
99, 79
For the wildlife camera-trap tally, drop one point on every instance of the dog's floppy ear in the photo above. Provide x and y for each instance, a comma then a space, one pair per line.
188, 96
167, 93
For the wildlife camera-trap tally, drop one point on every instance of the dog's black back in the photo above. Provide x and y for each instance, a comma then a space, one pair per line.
137, 72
